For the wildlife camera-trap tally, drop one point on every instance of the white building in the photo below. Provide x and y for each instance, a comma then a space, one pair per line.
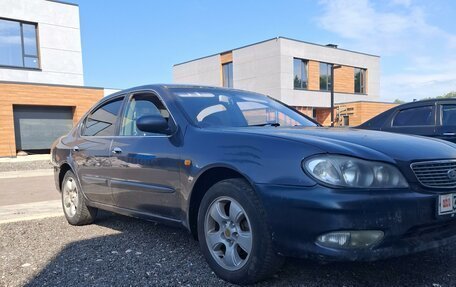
42, 92
295, 72
41, 42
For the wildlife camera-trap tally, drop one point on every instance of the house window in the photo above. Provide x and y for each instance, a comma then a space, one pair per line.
227, 74
360, 81
325, 76
18, 44
300, 74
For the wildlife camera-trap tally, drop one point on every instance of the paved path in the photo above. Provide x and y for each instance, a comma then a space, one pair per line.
27, 198
27, 189
30, 211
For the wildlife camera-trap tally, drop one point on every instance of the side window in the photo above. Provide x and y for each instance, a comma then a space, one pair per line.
102, 121
420, 116
449, 115
141, 105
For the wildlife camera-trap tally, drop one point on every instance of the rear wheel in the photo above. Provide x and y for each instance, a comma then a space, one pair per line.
73, 202
233, 233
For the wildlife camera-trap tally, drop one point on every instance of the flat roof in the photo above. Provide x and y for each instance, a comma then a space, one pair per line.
50, 85
63, 2
364, 101
276, 38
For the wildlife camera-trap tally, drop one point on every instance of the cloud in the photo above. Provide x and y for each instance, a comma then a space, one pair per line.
396, 31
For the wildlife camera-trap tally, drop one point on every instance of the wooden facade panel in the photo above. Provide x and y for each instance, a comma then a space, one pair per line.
359, 112
344, 80
81, 99
226, 57
313, 69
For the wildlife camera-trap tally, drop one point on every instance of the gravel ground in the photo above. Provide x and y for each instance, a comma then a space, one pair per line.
123, 251
26, 165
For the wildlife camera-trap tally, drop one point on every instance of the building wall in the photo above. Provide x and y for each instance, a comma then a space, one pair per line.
359, 112
344, 77
257, 68
206, 71
79, 98
59, 42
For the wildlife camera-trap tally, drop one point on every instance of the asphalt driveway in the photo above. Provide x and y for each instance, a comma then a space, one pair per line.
123, 251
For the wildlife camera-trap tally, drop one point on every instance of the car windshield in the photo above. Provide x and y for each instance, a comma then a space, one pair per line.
231, 108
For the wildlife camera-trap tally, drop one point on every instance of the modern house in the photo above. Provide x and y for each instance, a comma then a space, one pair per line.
295, 72
42, 92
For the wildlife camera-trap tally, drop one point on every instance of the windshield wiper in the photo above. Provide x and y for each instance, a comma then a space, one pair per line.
266, 124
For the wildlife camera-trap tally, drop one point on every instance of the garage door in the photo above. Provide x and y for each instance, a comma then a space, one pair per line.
37, 127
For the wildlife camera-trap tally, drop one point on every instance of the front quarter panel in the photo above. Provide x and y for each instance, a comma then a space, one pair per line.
261, 159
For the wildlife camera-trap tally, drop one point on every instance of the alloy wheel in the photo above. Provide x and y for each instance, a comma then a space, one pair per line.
228, 233
70, 197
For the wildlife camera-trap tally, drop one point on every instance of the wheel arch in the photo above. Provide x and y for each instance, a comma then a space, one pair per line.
64, 168
206, 180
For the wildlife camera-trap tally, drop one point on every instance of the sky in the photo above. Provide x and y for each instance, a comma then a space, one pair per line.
136, 42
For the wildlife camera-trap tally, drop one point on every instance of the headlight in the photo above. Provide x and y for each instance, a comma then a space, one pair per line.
344, 171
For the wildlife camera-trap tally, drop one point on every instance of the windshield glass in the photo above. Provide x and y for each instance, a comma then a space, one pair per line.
225, 108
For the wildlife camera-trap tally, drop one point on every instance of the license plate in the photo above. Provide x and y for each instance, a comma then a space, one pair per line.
447, 204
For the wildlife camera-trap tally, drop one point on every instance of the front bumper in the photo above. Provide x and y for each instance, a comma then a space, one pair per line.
409, 220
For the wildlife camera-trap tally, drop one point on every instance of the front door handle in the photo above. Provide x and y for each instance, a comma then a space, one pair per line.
76, 148
116, 150
449, 134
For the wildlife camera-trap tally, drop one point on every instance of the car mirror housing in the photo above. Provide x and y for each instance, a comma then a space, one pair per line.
153, 124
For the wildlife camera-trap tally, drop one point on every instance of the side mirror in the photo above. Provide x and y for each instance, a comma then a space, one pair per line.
152, 124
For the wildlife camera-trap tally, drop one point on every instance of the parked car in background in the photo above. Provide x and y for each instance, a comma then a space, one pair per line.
433, 118
254, 180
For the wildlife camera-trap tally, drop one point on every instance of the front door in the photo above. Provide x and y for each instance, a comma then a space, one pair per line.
92, 151
145, 166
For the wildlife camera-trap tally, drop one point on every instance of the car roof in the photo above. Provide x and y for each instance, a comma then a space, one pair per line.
427, 101
172, 86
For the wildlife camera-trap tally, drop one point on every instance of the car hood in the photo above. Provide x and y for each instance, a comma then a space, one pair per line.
374, 145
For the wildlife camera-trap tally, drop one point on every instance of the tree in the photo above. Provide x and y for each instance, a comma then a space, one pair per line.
399, 101
448, 95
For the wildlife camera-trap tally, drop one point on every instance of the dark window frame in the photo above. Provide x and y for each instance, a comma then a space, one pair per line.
304, 67
120, 98
433, 123
362, 80
328, 76
24, 55
229, 84
442, 106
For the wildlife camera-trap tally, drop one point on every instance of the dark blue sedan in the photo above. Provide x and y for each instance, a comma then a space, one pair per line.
254, 180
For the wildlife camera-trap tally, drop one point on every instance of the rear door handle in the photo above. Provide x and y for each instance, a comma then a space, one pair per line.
76, 148
116, 150
449, 134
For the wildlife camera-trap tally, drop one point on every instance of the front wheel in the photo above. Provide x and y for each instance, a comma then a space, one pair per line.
73, 202
233, 233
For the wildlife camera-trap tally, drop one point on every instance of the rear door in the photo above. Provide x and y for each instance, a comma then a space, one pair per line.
446, 121
416, 120
92, 151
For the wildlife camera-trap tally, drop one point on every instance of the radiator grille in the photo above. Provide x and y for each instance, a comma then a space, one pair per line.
436, 174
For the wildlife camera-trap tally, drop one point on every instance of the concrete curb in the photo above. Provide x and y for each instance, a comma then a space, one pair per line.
30, 211
26, 173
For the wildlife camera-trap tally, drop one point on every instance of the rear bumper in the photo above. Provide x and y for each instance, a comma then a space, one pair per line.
409, 220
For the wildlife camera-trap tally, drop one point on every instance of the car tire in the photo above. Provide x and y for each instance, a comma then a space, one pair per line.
73, 202
229, 213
